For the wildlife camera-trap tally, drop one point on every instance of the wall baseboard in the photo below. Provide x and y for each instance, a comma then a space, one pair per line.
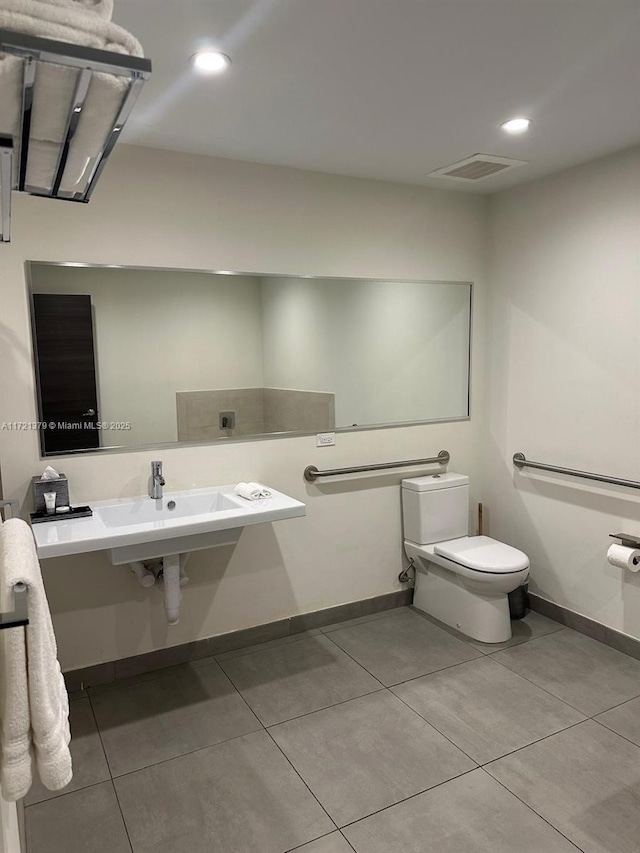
105, 673
609, 636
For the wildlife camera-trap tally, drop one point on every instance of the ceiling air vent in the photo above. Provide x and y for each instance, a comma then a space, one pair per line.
477, 168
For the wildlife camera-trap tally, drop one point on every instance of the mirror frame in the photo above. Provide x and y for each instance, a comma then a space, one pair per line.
265, 436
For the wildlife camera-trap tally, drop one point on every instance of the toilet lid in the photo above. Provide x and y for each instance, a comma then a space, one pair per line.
483, 554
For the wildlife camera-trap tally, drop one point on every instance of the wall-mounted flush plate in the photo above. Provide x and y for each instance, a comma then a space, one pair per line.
226, 420
325, 439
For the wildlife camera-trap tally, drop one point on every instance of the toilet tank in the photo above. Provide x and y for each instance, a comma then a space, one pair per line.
435, 508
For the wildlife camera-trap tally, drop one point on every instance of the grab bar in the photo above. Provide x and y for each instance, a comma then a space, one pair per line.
520, 461
311, 473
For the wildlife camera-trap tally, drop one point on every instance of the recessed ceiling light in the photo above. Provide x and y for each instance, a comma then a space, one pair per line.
210, 61
516, 125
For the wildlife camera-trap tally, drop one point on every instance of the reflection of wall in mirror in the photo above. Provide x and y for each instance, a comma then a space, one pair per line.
390, 350
158, 331
257, 411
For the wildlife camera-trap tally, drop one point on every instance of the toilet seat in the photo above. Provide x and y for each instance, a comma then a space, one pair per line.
483, 554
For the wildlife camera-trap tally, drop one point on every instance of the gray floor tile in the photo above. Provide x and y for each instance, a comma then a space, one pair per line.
583, 672
334, 843
533, 625
241, 796
89, 762
83, 821
585, 781
152, 721
472, 814
625, 720
298, 678
486, 709
360, 620
270, 644
401, 647
367, 754
88, 676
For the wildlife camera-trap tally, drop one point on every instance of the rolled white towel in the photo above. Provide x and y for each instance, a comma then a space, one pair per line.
252, 491
264, 492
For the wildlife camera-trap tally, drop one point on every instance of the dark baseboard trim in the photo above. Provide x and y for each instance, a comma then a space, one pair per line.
105, 673
585, 625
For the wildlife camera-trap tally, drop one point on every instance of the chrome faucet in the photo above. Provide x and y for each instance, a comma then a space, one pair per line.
157, 481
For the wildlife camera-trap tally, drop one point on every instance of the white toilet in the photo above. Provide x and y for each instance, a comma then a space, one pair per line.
461, 580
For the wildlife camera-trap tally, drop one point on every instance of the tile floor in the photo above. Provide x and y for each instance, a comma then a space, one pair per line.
384, 734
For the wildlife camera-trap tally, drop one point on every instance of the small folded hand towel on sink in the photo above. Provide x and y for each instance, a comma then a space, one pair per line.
252, 491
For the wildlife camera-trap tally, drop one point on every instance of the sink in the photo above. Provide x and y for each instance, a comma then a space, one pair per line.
140, 528
167, 509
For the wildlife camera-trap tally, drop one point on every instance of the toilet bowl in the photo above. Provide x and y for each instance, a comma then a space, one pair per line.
464, 581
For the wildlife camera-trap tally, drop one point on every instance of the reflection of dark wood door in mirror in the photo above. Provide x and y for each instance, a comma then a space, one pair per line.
66, 367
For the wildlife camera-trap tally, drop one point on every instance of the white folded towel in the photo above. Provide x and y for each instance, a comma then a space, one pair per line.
68, 21
104, 8
252, 491
34, 707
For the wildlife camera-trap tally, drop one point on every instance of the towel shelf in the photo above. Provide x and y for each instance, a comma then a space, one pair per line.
36, 53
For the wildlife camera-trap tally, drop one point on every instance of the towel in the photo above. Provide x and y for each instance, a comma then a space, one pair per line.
67, 21
104, 8
252, 491
34, 707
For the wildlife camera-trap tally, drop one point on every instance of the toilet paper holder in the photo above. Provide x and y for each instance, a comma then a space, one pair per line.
627, 539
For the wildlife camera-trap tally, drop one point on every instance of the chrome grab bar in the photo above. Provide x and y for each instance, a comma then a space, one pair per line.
520, 461
311, 473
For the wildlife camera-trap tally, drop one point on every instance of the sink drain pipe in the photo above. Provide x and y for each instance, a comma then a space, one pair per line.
172, 594
145, 577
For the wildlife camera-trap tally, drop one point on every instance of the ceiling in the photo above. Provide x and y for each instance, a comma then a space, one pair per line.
391, 89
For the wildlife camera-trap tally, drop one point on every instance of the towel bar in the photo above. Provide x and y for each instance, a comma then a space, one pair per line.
20, 613
311, 473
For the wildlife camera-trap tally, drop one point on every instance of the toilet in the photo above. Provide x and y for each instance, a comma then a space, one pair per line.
462, 580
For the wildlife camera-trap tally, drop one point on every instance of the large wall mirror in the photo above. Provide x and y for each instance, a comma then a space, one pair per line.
130, 357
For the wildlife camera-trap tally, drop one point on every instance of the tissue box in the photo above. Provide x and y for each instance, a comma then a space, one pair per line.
60, 487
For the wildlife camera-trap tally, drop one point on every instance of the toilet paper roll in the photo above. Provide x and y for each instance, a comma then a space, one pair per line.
624, 558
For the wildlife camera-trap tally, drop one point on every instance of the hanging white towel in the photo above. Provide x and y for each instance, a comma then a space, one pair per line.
34, 707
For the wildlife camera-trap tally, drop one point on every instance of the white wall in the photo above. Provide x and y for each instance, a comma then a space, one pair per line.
159, 332
159, 208
388, 350
564, 380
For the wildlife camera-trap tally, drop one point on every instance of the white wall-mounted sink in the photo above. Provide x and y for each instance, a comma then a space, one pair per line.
140, 528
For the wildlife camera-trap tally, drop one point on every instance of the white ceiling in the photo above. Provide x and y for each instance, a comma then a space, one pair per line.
391, 89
